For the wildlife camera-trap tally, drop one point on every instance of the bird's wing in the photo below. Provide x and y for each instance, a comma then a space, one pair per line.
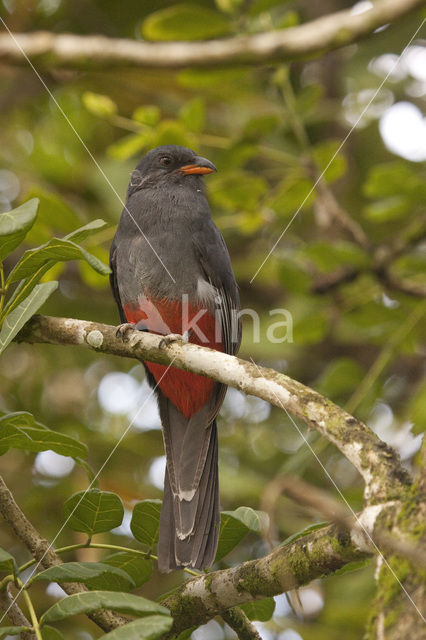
214, 260
216, 266
113, 280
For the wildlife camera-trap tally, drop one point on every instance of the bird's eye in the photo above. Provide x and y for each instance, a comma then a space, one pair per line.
165, 161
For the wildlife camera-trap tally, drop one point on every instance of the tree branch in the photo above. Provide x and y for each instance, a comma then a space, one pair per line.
99, 52
14, 613
310, 557
378, 464
317, 554
44, 553
393, 282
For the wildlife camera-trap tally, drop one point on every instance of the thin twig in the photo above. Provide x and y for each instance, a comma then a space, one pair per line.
238, 621
31, 610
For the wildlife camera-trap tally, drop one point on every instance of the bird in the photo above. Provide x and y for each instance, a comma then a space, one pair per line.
171, 274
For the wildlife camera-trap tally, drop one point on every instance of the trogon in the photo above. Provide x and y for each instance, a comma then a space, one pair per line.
171, 274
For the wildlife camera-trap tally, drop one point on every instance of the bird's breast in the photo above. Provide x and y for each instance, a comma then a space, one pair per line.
188, 391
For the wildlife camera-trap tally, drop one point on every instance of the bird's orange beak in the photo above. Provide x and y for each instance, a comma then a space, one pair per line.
201, 166
194, 168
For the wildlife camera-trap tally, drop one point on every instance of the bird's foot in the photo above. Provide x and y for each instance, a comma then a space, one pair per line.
123, 329
174, 337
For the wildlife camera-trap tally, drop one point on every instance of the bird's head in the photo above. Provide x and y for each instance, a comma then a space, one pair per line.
168, 163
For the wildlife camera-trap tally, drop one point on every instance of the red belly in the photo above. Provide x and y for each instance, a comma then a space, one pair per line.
187, 391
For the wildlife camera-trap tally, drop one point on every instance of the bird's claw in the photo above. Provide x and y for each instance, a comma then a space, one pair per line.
122, 329
174, 337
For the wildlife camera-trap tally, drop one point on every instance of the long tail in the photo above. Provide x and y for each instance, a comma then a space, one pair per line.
189, 522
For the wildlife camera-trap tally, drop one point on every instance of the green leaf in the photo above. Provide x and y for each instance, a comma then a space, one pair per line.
193, 115
254, 520
235, 525
90, 277
304, 532
229, 6
21, 431
172, 132
130, 145
293, 278
330, 160
231, 532
93, 511
56, 250
219, 79
50, 633
11, 631
20, 419
340, 377
146, 521
87, 230
149, 115
184, 635
289, 19
100, 105
261, 6
85, 572
15, 319
259, 609
7, 562
311, 327
94, 600
308, 98
15, 224
295, 193
134, 564
25, 287
329, 257
372, 319
391, 208
111, 581
353, 566
250, 222
185, 22
417, 409
394, 179
237, 190
23, 290
260, 125
148, 628
88, 469
55, 214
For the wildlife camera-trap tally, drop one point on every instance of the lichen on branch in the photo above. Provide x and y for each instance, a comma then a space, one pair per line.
320, 553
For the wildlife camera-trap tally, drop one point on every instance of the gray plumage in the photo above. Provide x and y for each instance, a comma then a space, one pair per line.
167, 245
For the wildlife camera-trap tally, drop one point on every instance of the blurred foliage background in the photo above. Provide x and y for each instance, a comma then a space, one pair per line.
270, 130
